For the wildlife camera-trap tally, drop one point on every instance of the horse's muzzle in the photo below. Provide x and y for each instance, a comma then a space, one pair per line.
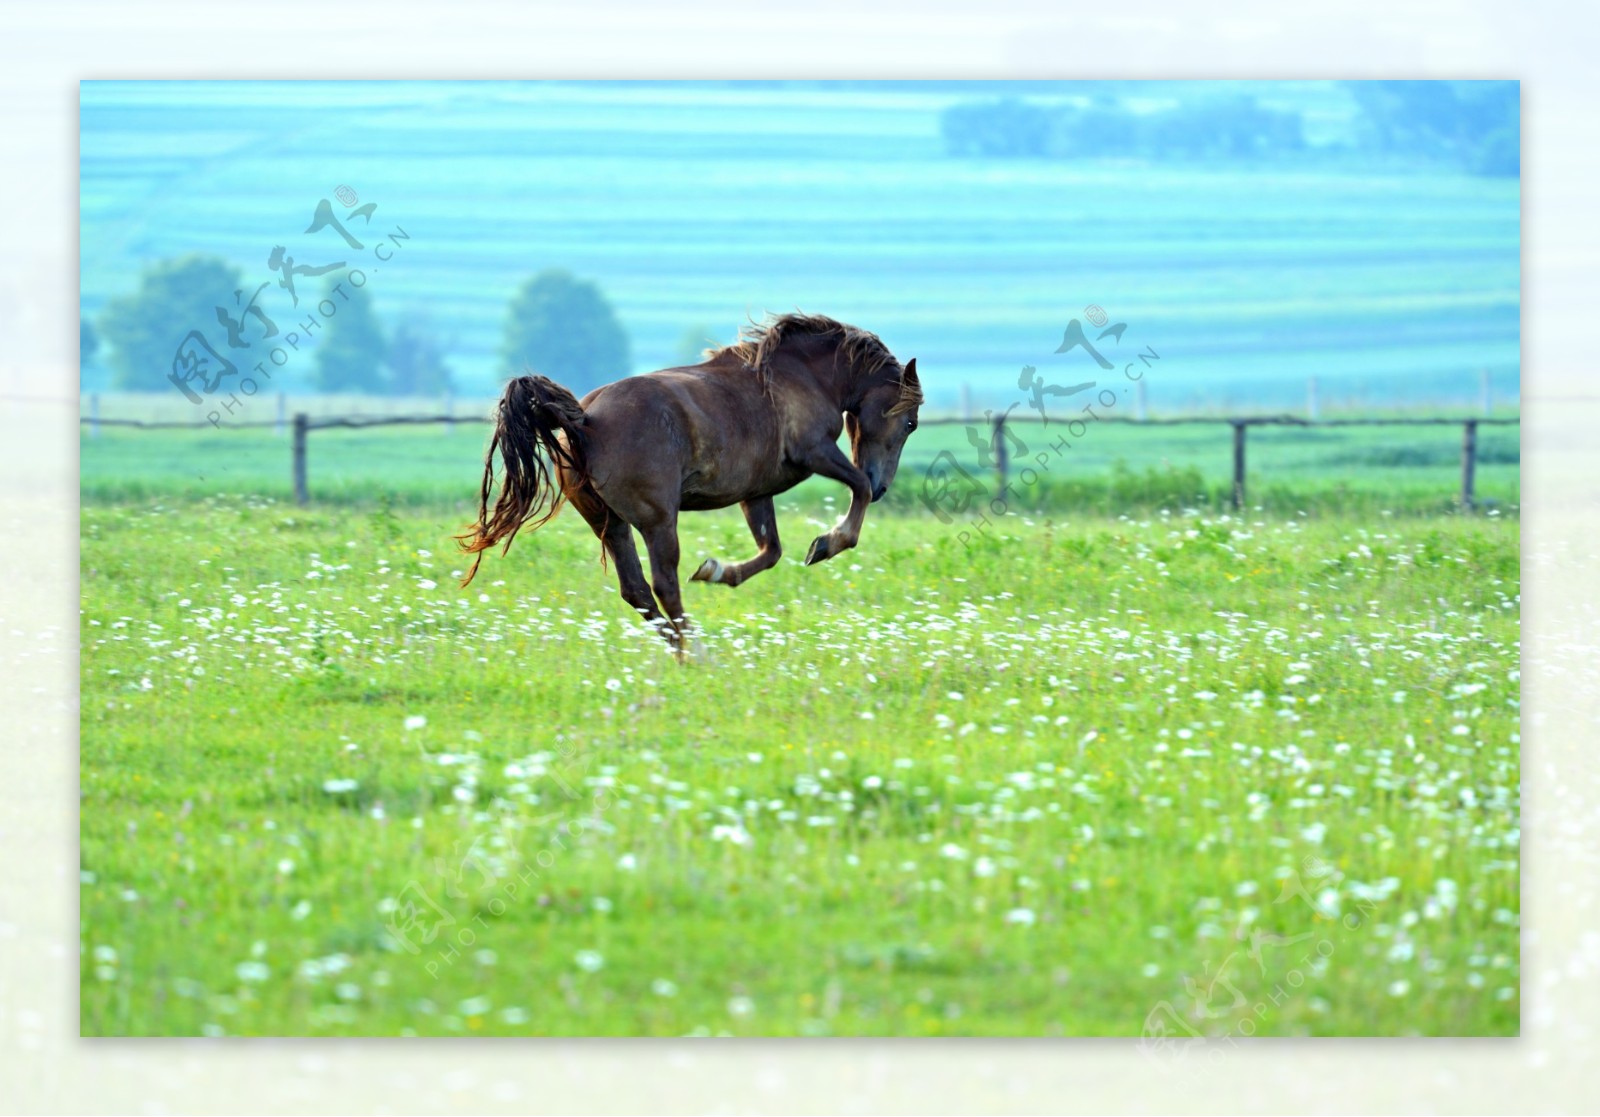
877, 493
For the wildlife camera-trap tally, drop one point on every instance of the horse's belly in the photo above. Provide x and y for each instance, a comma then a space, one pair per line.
705, 502
703, 494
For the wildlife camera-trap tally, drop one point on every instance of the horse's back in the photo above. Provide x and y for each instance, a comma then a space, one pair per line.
680, 402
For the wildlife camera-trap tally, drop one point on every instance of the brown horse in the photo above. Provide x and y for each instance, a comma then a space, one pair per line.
754, 419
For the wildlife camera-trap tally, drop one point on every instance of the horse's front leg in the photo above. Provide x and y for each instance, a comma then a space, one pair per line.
763, 521
830, 462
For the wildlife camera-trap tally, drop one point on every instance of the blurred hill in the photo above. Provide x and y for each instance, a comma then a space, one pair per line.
1389, 270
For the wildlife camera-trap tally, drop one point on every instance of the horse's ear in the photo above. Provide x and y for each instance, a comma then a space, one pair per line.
910, 389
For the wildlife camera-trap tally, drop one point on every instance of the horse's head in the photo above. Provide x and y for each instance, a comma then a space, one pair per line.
880, 426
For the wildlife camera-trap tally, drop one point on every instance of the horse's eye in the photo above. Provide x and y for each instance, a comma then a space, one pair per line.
911, 425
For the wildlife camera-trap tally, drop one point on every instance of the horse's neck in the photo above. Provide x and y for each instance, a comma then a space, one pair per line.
836, 377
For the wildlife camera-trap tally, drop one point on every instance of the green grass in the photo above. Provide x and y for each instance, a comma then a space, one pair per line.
1048, 783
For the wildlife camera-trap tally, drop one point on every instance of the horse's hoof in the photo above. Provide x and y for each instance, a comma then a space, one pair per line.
710, 571
818, 551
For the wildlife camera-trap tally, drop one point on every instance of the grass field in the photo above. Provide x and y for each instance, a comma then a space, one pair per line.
1242, 776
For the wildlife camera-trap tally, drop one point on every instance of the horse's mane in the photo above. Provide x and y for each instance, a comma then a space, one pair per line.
759, 342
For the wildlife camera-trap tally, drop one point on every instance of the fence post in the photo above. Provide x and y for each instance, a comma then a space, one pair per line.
1469, 461
1238, 464
999, 444
283, 407
301, 425
1311, 399
1138, 400
94, 415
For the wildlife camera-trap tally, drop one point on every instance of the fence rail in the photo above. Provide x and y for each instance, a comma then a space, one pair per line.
303, 425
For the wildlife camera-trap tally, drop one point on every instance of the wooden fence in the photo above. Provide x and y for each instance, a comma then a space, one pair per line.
303, 425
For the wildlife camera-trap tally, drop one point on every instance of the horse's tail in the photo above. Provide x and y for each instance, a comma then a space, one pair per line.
538, 424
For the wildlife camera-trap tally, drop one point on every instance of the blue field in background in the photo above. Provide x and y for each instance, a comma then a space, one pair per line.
692, 206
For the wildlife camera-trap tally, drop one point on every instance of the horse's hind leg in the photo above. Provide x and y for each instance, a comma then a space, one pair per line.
661, 543
617, 537
763, 521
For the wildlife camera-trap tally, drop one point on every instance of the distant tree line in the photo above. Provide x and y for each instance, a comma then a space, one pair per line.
1472, 125
556, 324
1223, 127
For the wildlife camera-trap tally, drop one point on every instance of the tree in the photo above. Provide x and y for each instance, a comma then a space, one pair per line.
1475, 124
1007, 127
351, 354
1499, 154
1414, 117
1493, 112
693, 345
88, 343
416, 364
1103, 128
145, 328
1207, 127
564, 328
1222, 128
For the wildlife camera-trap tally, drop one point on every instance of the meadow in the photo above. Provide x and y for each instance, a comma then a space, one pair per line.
1124, 763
